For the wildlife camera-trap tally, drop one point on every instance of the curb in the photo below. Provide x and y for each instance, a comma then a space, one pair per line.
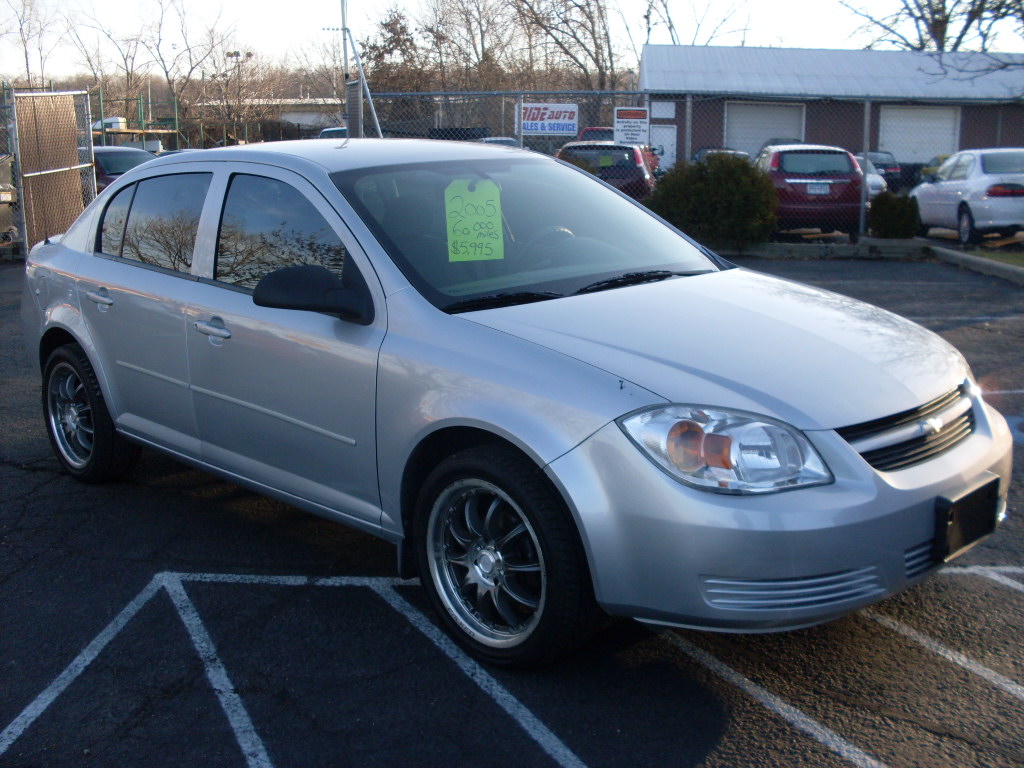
978, 264
872, 248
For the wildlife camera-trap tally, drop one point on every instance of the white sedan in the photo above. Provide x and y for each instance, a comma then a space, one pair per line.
976, 192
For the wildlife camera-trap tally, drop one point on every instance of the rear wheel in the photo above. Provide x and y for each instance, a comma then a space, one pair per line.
965, 227
501, 561
77, 421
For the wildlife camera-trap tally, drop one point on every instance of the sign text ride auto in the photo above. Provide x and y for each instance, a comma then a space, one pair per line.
549, 119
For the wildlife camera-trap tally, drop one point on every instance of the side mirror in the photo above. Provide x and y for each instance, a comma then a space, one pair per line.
929, 178
313, 288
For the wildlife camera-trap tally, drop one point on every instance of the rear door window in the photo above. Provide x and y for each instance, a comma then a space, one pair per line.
162, 220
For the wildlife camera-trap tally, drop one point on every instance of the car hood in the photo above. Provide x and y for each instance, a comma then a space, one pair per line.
740, 339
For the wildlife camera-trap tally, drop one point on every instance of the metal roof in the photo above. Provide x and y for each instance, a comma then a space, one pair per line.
814, 73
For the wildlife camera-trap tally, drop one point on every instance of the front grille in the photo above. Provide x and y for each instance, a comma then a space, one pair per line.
806, 592
919, 560
914, 436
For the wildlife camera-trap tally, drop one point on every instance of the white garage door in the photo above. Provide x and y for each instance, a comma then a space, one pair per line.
748, 126
917, 134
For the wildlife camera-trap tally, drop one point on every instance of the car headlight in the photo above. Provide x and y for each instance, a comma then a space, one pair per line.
725, 451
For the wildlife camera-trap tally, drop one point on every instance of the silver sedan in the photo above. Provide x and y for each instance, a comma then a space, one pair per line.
551, 401
975, 192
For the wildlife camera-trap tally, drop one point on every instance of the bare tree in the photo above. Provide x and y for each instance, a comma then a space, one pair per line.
708, 23
580, 32
105, 52
240, 85
935, 25
179, 52
318, 72
471, 42
32, 21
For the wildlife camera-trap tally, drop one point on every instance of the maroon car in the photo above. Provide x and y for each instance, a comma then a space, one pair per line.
817, 186
111, 162
624, 166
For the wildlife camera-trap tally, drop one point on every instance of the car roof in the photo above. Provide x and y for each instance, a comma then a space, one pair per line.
346, 154
803, 148
994, 150
97, 148
597, 143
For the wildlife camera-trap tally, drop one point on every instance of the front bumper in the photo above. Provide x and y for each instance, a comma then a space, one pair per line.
660, 551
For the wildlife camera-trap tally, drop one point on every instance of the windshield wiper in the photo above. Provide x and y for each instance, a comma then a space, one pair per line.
635, 278
499, 300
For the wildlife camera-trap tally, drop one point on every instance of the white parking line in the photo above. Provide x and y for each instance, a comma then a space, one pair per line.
252, 747
993, 573
529, 722
791, 714
77, 666
257, 757
241, 724
1000, 681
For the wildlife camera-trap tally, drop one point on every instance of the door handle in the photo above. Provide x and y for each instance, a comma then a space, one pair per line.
100, 297
212, 329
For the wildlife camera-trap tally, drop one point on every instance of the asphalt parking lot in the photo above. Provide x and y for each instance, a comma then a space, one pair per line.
177, 620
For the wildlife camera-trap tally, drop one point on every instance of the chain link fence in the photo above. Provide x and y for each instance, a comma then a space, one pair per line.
52, 162
895, 142
468, 116
8, 196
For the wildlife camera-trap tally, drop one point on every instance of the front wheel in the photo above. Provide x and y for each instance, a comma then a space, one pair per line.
501, 560
77, 421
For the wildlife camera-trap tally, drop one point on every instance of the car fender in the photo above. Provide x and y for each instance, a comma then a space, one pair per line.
540, 401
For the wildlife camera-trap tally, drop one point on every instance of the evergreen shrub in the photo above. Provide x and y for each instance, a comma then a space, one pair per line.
893, 215
724, 201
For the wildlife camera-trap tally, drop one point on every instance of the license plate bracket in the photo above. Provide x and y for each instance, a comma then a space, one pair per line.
962, 522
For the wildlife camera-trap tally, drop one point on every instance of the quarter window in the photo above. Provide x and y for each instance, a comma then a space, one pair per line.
114, 219
268, 224
163, 220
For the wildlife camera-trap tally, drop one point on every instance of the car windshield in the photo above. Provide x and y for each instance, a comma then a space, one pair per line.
1003, 162
815, 162
885, 158
520, 228
116, 163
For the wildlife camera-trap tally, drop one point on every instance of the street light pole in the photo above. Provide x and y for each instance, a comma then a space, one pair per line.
344, 41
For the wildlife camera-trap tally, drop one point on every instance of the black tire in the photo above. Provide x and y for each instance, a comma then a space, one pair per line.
965, 227
77, 421
501, 560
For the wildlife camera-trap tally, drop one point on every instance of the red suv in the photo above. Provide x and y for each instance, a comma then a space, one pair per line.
624, 166
817, 186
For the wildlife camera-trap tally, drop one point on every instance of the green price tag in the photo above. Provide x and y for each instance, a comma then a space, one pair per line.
473, 213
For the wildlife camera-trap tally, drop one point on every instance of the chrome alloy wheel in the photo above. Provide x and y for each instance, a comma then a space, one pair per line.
70, 415
486, 563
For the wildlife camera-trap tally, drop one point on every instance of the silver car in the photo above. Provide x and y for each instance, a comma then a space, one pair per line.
975, 192
551, 401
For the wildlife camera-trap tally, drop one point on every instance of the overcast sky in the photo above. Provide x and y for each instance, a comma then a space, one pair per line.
278, 33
